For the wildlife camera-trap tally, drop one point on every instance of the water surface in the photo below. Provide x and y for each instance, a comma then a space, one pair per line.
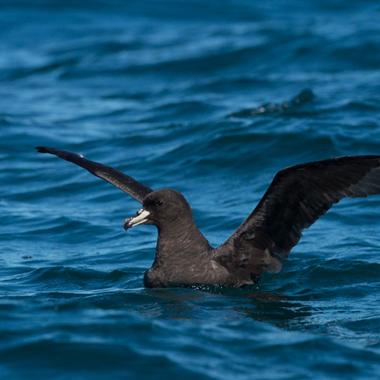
211, 99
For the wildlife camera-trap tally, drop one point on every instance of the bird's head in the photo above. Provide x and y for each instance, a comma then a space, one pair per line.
161, 207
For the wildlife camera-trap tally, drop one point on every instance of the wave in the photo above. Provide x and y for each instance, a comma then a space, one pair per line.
304, 97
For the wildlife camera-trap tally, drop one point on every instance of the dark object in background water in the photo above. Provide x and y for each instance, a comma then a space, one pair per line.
304, 97
297, 197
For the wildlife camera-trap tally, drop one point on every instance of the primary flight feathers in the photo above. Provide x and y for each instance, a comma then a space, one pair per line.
298, 196
124, 182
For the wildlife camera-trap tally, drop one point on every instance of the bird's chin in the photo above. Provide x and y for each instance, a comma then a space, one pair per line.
142, 217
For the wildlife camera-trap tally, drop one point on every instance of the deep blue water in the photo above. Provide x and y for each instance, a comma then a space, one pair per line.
197, 96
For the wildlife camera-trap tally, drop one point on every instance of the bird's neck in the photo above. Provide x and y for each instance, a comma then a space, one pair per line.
181, 239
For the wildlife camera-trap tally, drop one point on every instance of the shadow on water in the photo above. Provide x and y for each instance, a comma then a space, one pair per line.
278, 310
226, 303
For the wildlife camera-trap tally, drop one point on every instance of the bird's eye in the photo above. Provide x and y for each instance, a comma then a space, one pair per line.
152, 203
158, 203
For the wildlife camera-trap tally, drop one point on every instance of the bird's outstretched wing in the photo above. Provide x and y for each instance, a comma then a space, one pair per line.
296, 198
124, 182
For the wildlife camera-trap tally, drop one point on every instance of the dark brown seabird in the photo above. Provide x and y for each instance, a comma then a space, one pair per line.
296, 198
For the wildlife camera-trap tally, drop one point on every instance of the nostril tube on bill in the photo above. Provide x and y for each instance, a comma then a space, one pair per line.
141, 217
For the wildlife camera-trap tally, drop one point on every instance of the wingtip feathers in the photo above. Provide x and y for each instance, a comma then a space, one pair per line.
42, 149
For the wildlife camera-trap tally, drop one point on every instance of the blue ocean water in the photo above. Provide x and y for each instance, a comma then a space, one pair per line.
210, 98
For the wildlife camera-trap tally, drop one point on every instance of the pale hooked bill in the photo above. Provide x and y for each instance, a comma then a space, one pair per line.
141, 217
